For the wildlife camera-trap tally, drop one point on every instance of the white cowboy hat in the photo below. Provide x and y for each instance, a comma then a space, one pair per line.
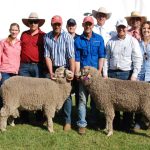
135, 14
101, 10
33, 16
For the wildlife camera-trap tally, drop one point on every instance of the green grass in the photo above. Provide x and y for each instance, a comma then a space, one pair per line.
29, 137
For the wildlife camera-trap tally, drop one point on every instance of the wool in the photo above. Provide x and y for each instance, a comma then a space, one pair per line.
112, 95
34, 94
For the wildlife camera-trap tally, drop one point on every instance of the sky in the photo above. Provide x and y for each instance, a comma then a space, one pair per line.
14, 10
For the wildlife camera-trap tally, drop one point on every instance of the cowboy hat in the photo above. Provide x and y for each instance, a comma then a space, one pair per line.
135, 14
33, 16
101, 10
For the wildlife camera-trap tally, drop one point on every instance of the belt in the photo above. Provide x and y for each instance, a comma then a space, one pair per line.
32, 63
118, 70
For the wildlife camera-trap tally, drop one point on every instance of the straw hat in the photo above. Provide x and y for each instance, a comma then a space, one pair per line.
135, 14
33, 16
101, 10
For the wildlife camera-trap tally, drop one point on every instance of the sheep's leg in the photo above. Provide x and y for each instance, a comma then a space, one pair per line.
3, 118
50, 125
3, 123
109, 120
11, 121
15, 114
49, 114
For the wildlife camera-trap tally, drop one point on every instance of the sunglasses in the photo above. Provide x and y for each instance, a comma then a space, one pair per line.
33, 21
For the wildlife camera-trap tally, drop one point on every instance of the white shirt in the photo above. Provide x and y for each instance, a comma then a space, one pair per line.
104, 32
123, 54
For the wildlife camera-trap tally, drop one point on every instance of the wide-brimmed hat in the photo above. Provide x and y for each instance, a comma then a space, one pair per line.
33, 16
101, 10
135, 14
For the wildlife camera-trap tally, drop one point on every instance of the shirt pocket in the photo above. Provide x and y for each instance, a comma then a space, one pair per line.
126, 51
84, 52
95, 48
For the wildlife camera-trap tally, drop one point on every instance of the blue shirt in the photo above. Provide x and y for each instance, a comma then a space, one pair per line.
144, 74
60, 50
88, 52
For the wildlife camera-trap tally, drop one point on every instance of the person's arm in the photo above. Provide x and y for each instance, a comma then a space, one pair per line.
50, 67
1, 52
137, 59
101, 55
100, 66
47, 57
72, 64
71, 53
106, 61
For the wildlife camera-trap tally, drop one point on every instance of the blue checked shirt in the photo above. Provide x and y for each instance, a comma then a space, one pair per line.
60, 50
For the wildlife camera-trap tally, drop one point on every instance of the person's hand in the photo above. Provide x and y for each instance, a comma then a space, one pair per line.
77, 76
0, 76
133, 78
105, 77
52, 77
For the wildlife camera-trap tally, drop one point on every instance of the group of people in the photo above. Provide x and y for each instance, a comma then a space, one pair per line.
124, 54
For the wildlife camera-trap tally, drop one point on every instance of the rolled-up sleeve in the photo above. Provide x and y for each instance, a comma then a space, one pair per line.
102, 52
70, 48
77, 51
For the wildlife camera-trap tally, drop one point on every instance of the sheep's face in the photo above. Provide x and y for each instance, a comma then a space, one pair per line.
62, 72
87, 74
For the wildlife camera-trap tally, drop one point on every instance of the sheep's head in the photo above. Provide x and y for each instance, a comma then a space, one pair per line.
62, 72
87, 74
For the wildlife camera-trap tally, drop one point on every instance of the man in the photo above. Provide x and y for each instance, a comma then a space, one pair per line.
123, 61
102, 15
89, 51
71, 27
59, 51
135, 21
32, 49
32, 53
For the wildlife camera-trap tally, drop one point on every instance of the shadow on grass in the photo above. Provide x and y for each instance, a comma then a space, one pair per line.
39, 121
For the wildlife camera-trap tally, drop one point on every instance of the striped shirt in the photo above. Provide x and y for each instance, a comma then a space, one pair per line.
60, 50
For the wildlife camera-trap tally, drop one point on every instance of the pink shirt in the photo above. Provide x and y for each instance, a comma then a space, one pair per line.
10, 56
135, 33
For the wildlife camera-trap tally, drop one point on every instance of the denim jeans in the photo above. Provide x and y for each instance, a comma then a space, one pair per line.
30, 69
67, 108
83, 98
5, 76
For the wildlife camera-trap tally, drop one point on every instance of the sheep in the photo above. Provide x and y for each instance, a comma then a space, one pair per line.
27, 93
114, 94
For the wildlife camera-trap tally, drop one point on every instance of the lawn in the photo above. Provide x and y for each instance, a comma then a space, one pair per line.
31, 137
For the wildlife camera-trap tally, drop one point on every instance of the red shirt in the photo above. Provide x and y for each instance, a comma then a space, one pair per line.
32, 47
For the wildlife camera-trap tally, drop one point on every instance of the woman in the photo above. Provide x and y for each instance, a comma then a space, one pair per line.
10, 49
144, 74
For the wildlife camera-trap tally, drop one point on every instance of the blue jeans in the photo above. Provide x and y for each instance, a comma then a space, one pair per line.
67, 108
83, 98
5, 76
30, 70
